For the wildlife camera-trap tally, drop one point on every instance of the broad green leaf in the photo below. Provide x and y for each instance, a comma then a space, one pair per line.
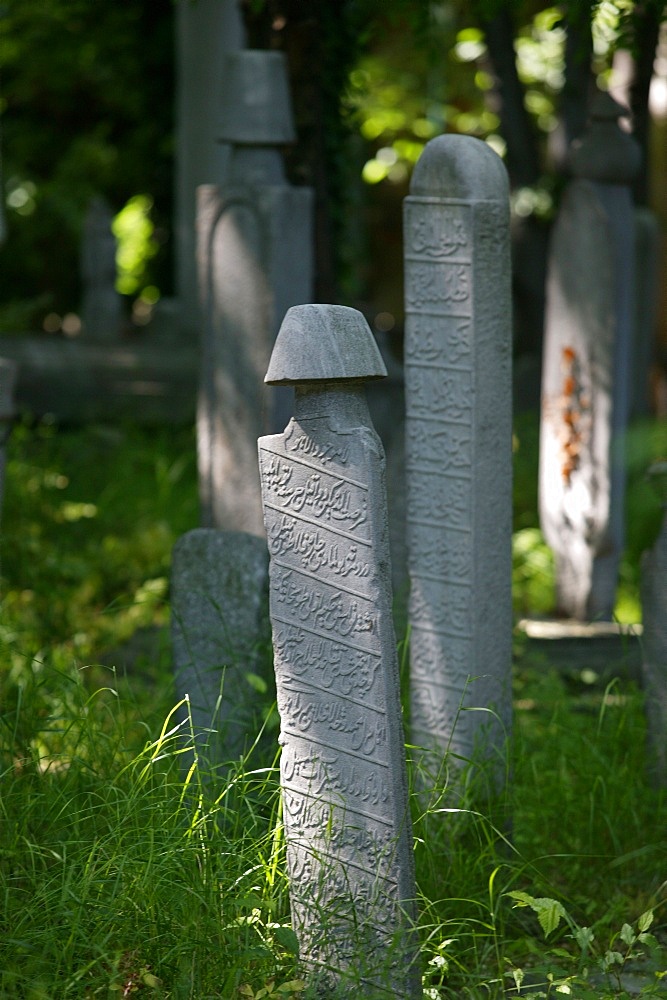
549, 913
645, 920
627, 935
584, 937
287, 939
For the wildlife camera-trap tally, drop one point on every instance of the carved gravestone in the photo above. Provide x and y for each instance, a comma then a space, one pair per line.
586, 376
8, 374
654, 646
459, 451
343, 770
219, 623
101, 308
254, 261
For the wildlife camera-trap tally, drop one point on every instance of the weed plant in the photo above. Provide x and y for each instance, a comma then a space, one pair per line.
128, 867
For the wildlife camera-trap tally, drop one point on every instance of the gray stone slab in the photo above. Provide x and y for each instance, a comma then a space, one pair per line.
587, 369
8, 375
458, 453
101, 307
654, 665
219, 612
254, 247
343, 769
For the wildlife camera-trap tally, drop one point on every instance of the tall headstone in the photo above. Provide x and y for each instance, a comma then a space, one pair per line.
102, 307
459, 452
8, 374
647, 286
654, 645
343, 769
206, 31
586, 376
254, 260
219, 624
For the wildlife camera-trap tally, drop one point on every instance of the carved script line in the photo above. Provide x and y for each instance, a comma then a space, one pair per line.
428, 470
439, 577
327, 746
345, 806
436, 681
295, 568
301, 794
318, 524
420, 415
305, 627
455, 314
329, 691
439, 365
419, 465
307, 847
434, 630
289, 456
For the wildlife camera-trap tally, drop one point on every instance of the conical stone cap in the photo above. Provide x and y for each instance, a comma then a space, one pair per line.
324, 343
605, 152
256, 104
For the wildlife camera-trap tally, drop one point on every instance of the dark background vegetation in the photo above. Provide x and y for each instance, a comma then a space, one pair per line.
88, 108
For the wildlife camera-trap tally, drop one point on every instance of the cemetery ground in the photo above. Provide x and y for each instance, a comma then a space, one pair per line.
123, 873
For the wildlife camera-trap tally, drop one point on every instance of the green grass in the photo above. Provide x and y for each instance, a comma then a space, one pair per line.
122, 873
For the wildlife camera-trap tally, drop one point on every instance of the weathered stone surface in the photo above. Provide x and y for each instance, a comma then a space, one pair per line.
101, 309
255, 261
586, 375
8, 374
206, 32
256, 107
219, 599
458, 451
654, 646
343, 771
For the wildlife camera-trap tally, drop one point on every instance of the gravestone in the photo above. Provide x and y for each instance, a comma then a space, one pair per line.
206, 31
8, 374
219, 623
459, 452
654, 646
254, 261
343, 769
647, 274
102, 307
586, 376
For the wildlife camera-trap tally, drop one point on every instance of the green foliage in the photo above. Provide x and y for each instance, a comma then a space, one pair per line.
86, 110
122, 869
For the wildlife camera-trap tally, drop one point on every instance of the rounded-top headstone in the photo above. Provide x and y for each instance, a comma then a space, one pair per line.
459, 166
605, 152
256, 105
324, 343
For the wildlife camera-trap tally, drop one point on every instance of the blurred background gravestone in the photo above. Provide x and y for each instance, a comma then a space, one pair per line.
254, 260
102, 307
586, 378
219, 595
343, 768
459, 452
654, 646
8, 373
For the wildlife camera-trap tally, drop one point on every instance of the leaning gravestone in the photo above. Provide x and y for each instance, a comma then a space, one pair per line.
8, 374
586, 376
255, 260
101, 308
459, 451
343, 770
654, 646
219, 598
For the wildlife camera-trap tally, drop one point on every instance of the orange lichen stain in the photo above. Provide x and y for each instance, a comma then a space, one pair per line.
574, 405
